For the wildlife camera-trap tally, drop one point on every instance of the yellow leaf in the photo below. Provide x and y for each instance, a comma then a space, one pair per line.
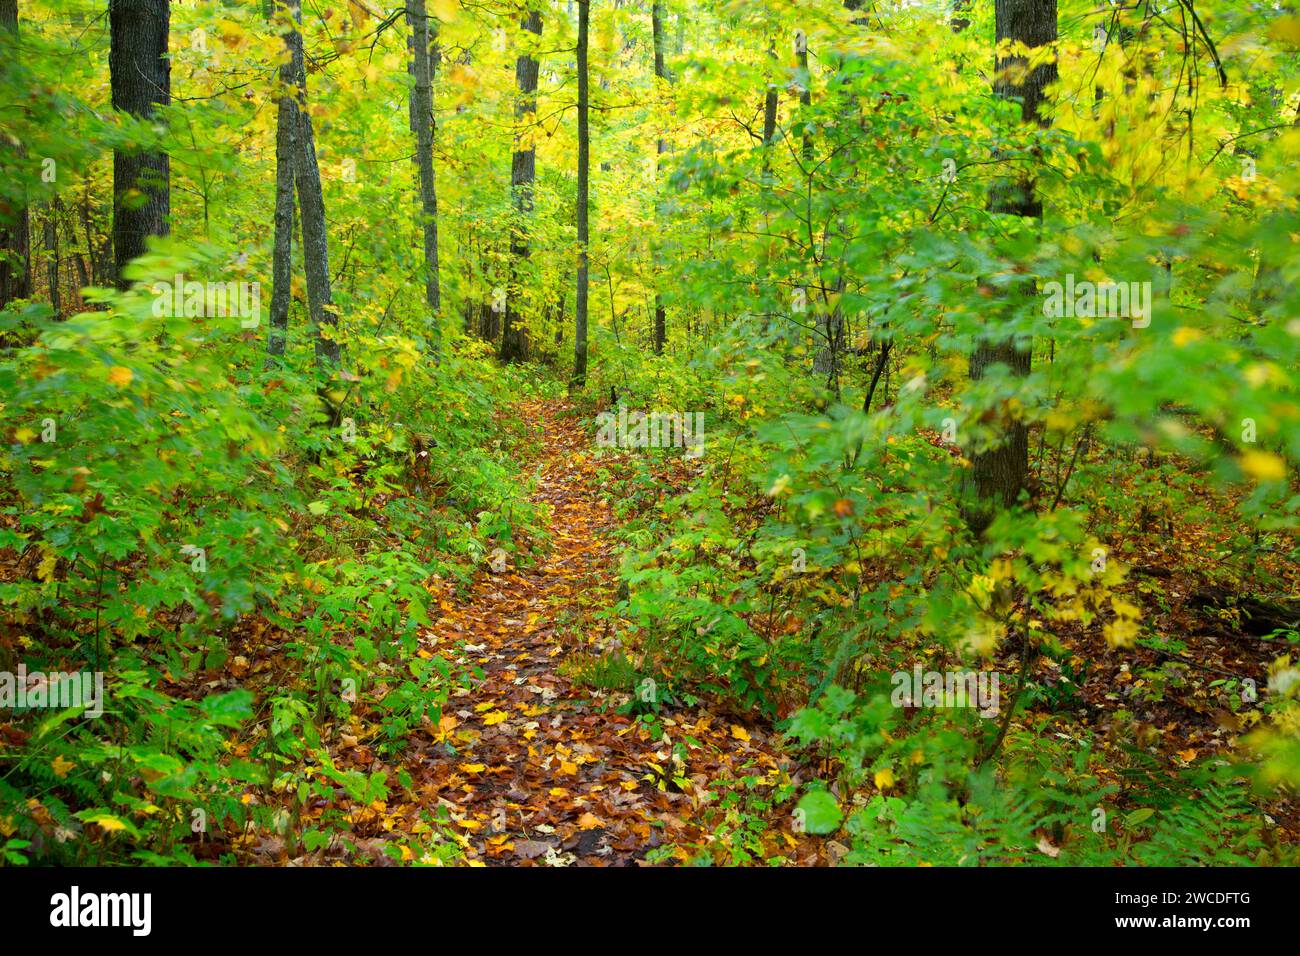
24, 435
884, 779
1286, 29
567, 767
1263, 465
473, 767
740, 733
1124, 609
119, 376
1121, 633
62, 766
1001, 570
494, 718
49, 561
780, 486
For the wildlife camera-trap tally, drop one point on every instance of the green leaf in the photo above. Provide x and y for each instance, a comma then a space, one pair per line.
821, 812
1139, 816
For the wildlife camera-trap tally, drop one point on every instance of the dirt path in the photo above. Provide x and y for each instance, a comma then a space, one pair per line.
531, 768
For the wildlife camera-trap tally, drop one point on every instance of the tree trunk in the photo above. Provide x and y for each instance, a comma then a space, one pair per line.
140, 76
805, 92
770, 101
830, 319
661, 73
52, 257
311, 207
15, 227
958, 21
584, 175
523, 172
100, 252
422, 116
998, 474
282, 254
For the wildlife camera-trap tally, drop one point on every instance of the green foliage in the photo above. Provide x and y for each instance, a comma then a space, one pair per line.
157, 502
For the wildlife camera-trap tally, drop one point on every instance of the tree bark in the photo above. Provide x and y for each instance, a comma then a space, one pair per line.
140, 76
523, 173
52, 257
661, 73
830, 320
584, 175
422, 117
15, 221
311, 207
998, 473
770, 102
282, 254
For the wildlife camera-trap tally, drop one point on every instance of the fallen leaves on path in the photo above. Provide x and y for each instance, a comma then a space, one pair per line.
532, 770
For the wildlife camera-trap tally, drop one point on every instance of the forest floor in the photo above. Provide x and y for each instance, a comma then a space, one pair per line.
534, 764
533, 768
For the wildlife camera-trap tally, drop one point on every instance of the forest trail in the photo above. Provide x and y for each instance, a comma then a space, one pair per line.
531, 768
